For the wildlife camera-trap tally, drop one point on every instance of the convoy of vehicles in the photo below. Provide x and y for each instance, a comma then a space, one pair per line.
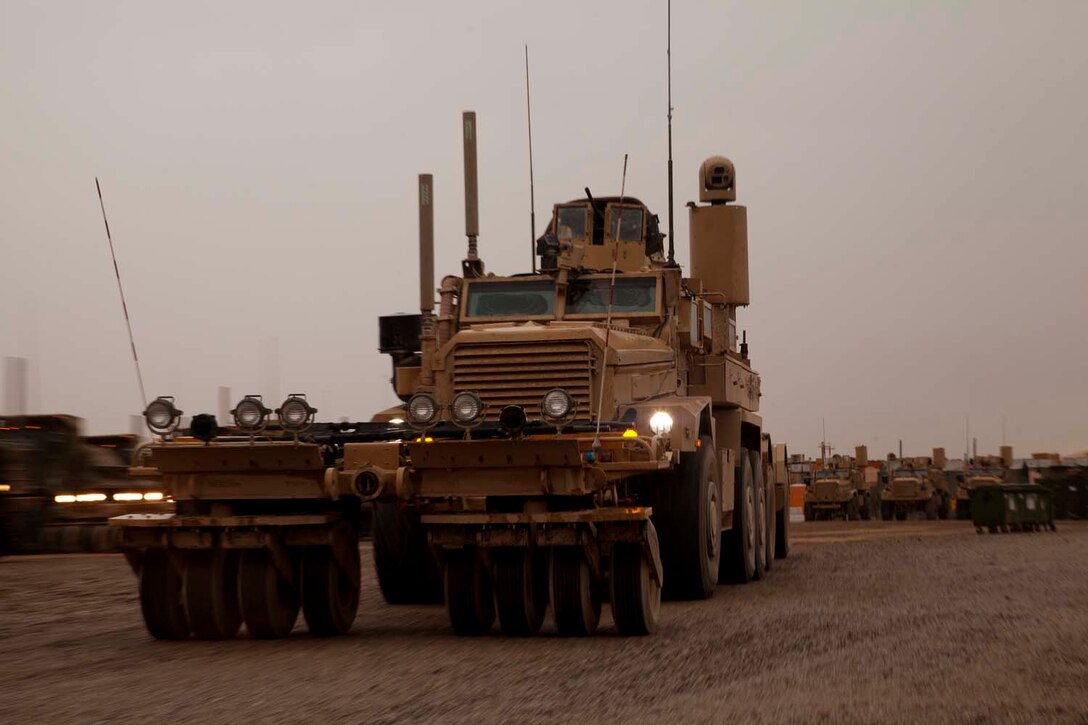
582, 434
916, 486
59, 487
841, 488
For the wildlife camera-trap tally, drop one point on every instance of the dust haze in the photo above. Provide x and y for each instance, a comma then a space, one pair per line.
914, 174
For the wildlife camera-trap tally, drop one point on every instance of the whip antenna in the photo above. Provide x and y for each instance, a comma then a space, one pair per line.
668, 56
532, 196
121, 289
611, 298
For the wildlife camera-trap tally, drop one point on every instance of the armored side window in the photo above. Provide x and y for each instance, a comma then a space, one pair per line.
530, 298
625, 223
572, 222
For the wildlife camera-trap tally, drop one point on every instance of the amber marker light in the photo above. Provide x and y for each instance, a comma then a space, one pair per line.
630, 433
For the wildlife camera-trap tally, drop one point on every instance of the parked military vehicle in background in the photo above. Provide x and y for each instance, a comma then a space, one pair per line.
916, 485
981, 471
584, 433
841, 488
59, 487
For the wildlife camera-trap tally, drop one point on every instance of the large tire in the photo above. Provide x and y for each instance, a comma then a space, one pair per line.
887, 511
782, 529
762, 543
269, 603
521, 589
636, 595
330, 594
469, 602
407, 571
810, 513
575, 597
769, 520
963, 508
738, 561
852, 511
943, 506
211, 593
931, 508
687, 512
161, 597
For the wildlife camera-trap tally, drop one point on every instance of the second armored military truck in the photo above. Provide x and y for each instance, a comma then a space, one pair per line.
585, 433
841, 488
916, 485
981, 471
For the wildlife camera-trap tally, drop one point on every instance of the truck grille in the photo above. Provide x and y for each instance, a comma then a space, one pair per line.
520, 374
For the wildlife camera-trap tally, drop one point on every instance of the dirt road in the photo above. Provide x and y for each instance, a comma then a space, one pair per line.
896, 622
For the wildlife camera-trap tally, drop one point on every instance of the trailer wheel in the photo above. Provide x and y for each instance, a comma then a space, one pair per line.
762, 544
782, 530
688, 509
769, 521
407, 572
575, 597
521, 590
211, 593
269, 603
636, 595
738, 562
330, 593
160, 597
469, 601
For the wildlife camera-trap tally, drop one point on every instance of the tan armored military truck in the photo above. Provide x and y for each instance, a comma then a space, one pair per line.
916, 485
840, 488
981, 471
580, 434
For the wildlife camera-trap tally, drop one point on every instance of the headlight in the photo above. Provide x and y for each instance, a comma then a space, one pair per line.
661, 423
162, 415
250, 414
296, 414
467, 409
557, 406
128, 497
153, 496
422, 410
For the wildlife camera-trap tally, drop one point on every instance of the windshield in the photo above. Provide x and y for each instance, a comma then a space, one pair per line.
995, 472
833, 474
632, 295
531, 298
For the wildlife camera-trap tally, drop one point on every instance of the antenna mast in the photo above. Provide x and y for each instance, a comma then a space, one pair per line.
608, 319
532, 196
668, 55
124, 306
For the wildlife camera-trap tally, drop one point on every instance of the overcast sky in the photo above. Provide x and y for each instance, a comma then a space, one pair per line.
914, 172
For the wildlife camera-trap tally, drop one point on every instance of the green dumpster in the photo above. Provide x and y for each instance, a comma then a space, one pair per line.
1012, 507
1070, 487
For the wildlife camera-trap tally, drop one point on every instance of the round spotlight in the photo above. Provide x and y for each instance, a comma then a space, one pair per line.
661, 423
250, 414
422, 410
557, 406
296, 414
512, 420
467, 409
162, 415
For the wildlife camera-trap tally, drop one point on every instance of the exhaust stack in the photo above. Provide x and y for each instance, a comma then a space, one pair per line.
472, 265
426, 279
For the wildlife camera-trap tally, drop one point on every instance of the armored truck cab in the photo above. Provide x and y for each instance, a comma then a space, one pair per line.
840, 488
916, 485
981, 471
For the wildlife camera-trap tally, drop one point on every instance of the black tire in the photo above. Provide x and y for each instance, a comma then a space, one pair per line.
852, 511
738, 561
469, 601
887, 511
211, 593
407, 571
931, 508
782, 529
762, 545
687, 512
269, 603
575, 597
865, 508
521, 590
810, 513
635, 594
900, 515
330, 594
943, 507
769, 521
161, 597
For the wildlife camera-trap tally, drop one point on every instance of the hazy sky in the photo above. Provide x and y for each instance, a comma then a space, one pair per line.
914, 172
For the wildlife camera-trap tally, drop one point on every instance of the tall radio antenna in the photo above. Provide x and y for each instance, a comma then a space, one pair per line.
668, 56
532, 196
124, 306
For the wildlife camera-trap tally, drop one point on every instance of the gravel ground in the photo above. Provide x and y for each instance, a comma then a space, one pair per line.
866, 622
